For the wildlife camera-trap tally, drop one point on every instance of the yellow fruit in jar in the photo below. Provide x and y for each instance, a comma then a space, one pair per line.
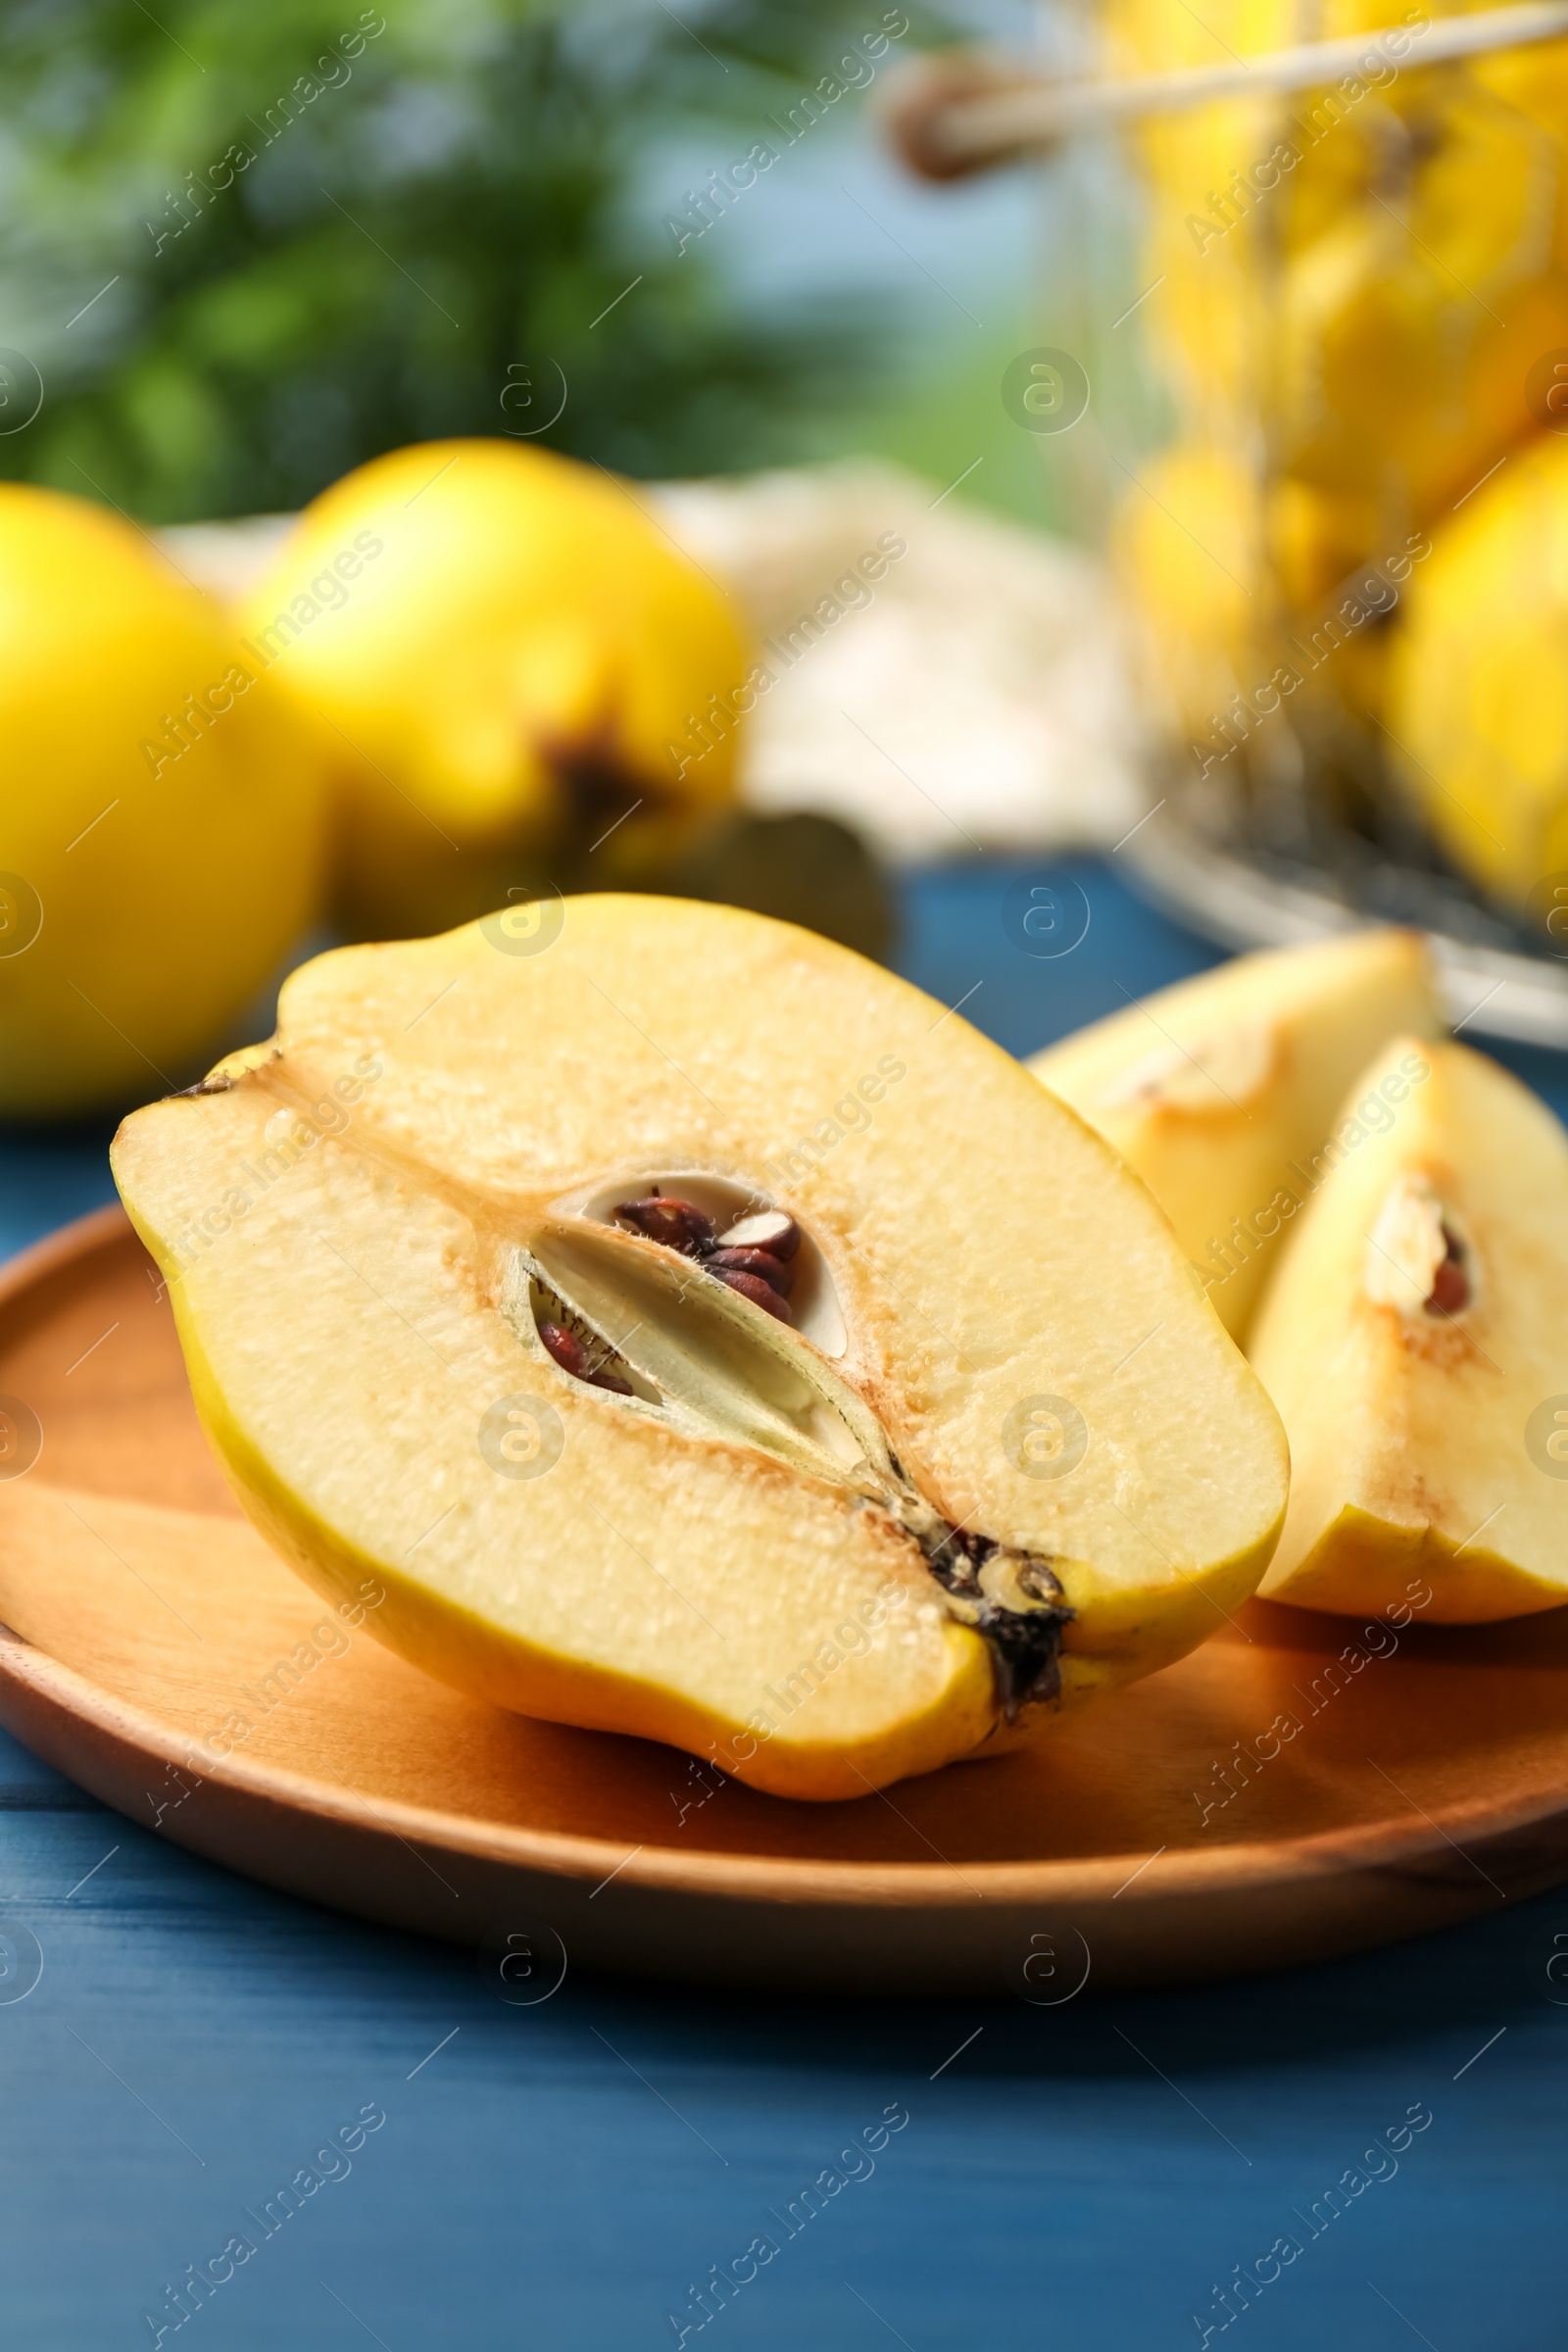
1478, 699
1400, 352
1207, 321
1330, 553
1317, 538
161, 829
1189, 548
1151, 36
508, 658
1353, 282
1369, 268
1532, 80
1207, 314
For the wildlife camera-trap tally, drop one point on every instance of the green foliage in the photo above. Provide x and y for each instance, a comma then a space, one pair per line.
425, 208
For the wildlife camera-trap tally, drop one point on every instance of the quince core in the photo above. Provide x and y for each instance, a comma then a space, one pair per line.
466, 1268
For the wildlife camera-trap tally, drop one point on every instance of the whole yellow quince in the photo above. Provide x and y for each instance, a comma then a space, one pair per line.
162, 826
510, 665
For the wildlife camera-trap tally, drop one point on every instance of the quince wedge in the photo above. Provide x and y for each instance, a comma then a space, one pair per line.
703, 1334
1415, 1340
1223, 1090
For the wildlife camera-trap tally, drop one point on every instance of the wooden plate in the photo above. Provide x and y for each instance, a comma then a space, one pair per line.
1184, 1830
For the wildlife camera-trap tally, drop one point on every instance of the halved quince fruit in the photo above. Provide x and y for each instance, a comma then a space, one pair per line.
1415, 1340
1223, 1092
703, 1334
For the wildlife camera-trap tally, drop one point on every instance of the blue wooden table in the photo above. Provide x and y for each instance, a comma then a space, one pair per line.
565, 2177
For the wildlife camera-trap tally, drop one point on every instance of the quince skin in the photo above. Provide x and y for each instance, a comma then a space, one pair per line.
1223, 1092
511, 667
162, 827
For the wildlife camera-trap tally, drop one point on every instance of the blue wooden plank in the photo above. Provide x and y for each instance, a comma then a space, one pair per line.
50, 1175
963, 926
565, 2176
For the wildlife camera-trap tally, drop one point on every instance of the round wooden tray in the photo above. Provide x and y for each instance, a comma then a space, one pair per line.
1172, 1834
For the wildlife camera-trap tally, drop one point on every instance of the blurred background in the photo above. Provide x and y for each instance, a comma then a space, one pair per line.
465, 195
861, 486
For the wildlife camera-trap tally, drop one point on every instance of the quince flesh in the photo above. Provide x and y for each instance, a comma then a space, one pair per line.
1211, 1090
161, 825
1413, 1339
505, 657
828, 1550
